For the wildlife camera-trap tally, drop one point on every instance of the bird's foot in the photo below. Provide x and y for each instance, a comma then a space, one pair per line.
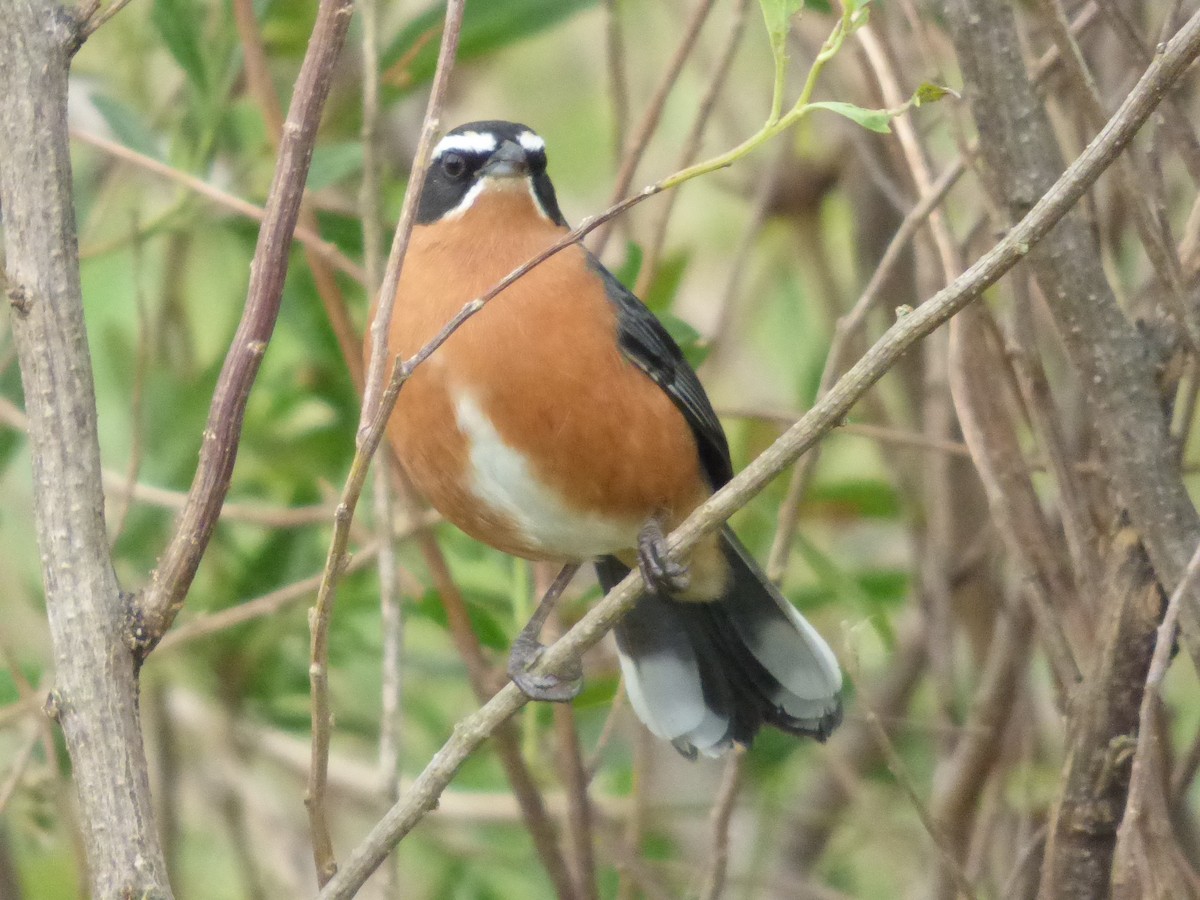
553, 687
661, 574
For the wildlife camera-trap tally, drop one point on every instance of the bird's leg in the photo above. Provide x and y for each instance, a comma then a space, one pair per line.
556, 687
661, 574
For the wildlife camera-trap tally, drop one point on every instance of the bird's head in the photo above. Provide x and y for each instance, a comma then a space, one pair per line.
479, 158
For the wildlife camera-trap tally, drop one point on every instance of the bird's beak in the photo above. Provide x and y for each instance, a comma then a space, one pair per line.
508, 161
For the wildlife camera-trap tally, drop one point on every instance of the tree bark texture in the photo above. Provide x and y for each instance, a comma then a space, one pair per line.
1023, 160
96, 694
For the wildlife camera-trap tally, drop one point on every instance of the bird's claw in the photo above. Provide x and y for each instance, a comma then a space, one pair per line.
552, 687
661, 573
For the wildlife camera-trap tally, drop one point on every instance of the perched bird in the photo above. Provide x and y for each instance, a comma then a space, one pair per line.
562, 423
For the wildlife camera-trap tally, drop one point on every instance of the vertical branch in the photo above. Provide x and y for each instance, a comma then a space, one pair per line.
391, 613
376, 406
1019, 147
692, 143
171, 580
96, 695
618, 75
722, 816
653, 113
258, 76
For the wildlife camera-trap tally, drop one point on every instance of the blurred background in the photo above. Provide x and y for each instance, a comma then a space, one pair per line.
956, 706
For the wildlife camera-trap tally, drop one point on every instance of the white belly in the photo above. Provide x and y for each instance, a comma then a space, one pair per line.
502, 480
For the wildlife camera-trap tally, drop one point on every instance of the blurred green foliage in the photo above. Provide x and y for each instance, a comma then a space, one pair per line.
164, 275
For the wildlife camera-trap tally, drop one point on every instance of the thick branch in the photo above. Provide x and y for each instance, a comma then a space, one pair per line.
95, 698
173, 577
1023, 158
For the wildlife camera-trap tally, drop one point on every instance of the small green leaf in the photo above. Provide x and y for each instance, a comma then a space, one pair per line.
660, 295
333, 162
127, 125
627, 273
929, 92
690, 341
486, 27
179, 22
872, 119
778, 16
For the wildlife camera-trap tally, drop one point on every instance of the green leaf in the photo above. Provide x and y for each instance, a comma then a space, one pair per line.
690, 341
334, 162
127, 125
872, 119
660, 295
486, 27
179, 23
778, 16
929, 92
627, 273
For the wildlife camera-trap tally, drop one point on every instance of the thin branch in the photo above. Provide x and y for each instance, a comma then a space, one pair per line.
653, 112
281, 598
900, 772
845, 332
618, 76
262, 89
720, 819
310, 239
692, 143
579, 804
377, 414
391, 611
97, 18
172, 578
475, 728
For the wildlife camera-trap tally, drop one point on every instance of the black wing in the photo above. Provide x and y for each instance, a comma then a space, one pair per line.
645, 342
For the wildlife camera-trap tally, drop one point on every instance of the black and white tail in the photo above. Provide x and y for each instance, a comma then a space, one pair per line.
707, 675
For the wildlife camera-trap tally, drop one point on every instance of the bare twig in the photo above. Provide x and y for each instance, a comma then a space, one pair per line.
309, 239
262, 88
273, 602
653, 112
900, 772
579, 803
845, 332
721, 817
375, 412
391, 612
692, 143
97, 18
618, 76
170, 582
1137, 829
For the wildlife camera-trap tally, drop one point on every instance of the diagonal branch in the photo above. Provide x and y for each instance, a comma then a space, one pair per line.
170, 582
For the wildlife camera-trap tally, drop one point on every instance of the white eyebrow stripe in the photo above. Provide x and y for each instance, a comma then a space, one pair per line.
467, 142
531, 142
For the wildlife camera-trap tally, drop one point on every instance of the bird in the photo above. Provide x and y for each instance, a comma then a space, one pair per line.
561, 422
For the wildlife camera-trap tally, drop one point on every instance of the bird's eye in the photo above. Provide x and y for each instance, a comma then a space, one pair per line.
454, 165
537, 162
